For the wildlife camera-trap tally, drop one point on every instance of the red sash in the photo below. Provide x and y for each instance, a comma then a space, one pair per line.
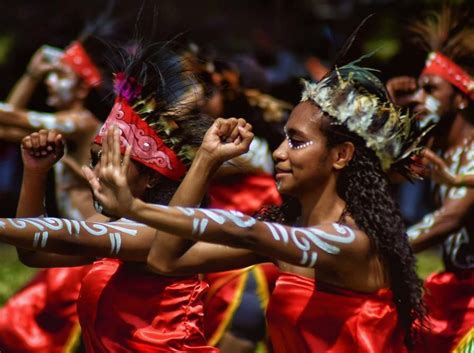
305, 318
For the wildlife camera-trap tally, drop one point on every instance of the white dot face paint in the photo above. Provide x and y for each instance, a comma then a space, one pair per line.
47, 226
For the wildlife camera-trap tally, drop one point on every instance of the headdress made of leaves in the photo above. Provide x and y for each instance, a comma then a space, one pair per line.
354, 97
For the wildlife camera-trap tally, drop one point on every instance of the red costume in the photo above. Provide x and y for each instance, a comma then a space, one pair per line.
248, 194
42, 317
304, 316
450, 298
123, 308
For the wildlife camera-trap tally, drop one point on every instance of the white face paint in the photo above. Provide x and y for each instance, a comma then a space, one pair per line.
432, 117
114, 230
61, 89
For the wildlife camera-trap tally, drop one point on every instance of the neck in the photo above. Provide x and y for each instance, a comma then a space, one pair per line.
322, 205
460, 130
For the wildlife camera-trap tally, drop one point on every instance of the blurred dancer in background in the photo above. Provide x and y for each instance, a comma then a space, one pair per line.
443, 96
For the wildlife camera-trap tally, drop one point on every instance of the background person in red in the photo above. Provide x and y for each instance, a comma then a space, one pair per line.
443, 96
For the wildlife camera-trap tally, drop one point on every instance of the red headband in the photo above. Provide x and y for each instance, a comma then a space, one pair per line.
440, 65
147, 147
76, 57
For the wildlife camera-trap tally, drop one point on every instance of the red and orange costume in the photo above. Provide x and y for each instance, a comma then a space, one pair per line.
304, 316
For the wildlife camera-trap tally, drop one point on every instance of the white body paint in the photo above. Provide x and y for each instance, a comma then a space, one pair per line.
49, 121
114, 230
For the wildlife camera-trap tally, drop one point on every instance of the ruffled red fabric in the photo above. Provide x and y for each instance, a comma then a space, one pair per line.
245, 193
123, 308
450, 302
307, 317
41, 317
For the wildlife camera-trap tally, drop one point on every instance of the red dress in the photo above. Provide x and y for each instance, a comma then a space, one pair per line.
450, 325
304, 317
42, 317
123, 308
247, 193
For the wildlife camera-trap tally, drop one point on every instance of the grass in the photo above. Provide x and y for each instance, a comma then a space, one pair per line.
13, 274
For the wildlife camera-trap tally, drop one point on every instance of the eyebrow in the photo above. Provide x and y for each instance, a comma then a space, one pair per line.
292, 132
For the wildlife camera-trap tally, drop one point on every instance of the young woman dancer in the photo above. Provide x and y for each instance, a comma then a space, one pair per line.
348, 281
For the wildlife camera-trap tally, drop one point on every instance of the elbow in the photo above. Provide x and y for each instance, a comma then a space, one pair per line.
28, 258
160, 266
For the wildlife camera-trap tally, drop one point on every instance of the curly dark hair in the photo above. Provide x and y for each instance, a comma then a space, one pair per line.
365, 188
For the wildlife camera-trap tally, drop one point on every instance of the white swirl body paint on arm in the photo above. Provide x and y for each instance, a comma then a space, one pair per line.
312, 236
114, 230
308, 240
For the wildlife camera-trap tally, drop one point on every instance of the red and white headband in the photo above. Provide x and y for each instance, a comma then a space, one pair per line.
440, 65
147, 147
76, 57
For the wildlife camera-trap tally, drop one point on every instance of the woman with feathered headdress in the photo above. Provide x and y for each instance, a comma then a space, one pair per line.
348, 280
444, 98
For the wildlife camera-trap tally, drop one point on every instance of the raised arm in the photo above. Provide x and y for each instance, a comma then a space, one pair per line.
299, 246
174, 255
70, 243
21, 93
449, 218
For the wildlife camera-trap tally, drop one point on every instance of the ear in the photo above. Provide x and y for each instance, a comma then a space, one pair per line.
461, 101
153, 180
343, 154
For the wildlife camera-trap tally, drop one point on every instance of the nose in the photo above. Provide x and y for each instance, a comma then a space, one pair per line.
281, 153
418, 97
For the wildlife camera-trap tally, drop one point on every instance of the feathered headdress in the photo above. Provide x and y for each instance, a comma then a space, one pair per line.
354, 97
448, 37
156, 109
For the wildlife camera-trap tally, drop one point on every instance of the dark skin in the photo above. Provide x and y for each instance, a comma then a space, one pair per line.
450, 133
356, 266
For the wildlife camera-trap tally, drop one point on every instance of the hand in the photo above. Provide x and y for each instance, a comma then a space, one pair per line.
41, 150
110, 187
39, 65
401, 89
226, 139
438, 170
